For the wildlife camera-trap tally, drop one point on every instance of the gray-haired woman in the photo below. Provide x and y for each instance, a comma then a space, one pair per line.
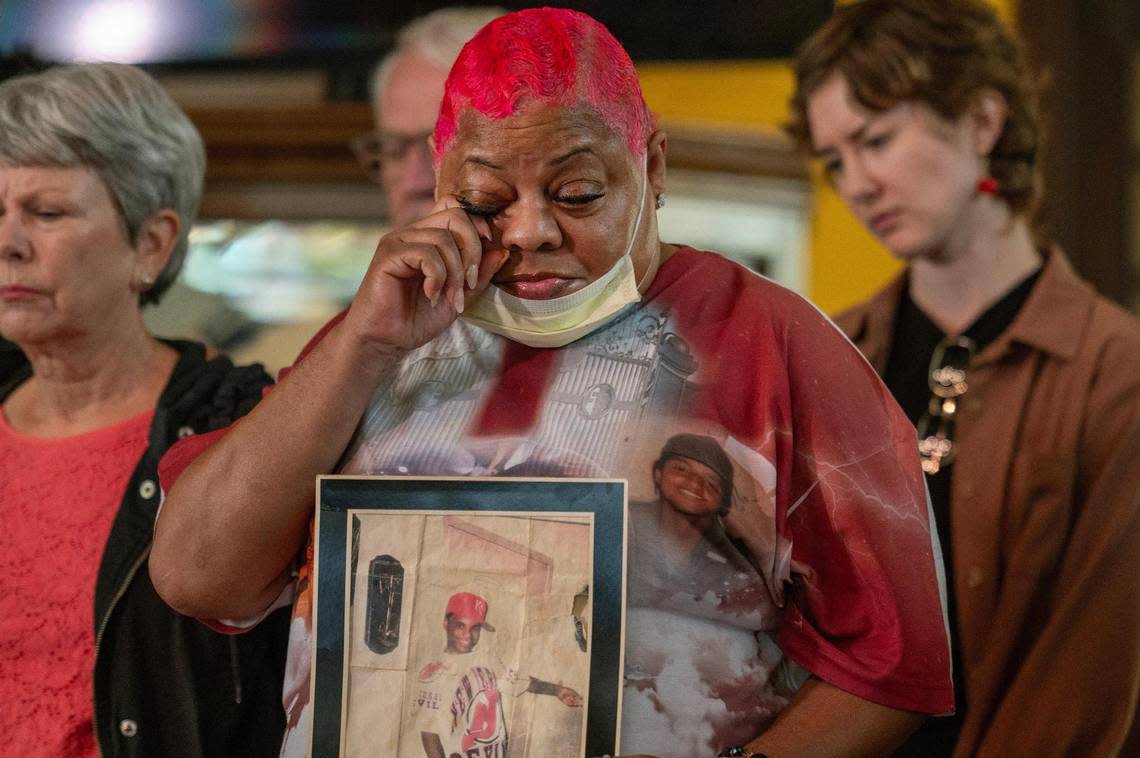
100, 177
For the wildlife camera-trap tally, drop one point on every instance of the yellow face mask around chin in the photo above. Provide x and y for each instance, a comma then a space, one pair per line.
561, 320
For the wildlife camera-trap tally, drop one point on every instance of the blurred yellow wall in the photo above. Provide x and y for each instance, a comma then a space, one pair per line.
846, 264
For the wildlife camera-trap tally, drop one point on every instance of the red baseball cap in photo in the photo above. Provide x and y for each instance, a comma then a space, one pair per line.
469, 607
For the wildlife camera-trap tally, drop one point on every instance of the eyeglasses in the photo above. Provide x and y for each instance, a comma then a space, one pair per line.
948, 383
374, 149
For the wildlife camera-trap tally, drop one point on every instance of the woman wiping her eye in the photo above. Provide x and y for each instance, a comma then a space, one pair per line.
534, 324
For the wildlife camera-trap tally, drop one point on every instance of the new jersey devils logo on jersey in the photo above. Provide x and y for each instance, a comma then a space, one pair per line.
485, 733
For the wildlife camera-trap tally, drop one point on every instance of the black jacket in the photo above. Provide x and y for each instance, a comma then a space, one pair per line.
165, 685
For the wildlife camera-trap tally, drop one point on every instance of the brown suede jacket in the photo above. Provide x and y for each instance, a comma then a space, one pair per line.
1045, 517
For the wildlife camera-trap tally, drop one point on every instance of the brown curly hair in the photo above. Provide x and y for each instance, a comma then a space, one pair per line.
939, 52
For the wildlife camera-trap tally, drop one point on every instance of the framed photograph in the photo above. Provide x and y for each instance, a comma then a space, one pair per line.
469, 617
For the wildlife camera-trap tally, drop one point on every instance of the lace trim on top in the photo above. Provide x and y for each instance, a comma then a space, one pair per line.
58, 498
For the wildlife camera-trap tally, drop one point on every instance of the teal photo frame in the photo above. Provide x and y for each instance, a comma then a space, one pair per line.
379, 588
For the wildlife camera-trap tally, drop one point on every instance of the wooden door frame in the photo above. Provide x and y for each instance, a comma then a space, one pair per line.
1086, 52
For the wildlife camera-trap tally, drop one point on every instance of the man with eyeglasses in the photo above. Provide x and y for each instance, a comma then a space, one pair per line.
407, 87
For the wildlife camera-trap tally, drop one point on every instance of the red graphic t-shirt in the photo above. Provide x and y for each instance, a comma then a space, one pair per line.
821, 558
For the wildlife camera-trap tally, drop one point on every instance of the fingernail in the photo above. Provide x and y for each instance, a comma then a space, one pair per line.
457, 301
434, 299
472, 276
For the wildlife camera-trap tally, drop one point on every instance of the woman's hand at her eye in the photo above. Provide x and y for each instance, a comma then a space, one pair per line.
421, 278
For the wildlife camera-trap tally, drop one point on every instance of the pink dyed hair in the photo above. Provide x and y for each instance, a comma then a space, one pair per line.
550, 55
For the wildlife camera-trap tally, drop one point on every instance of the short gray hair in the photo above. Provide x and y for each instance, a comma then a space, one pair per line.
437, 37
117, 121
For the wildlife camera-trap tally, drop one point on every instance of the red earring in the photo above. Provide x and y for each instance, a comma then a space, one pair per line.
988, 186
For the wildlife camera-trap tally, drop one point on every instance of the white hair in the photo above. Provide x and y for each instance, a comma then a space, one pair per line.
437, 37
119, 122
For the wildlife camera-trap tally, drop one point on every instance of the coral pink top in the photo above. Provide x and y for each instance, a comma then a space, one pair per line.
58, 497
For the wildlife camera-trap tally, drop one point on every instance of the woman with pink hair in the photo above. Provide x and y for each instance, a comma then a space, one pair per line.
534, 324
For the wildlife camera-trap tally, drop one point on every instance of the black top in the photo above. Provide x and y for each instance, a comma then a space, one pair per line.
907, 377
